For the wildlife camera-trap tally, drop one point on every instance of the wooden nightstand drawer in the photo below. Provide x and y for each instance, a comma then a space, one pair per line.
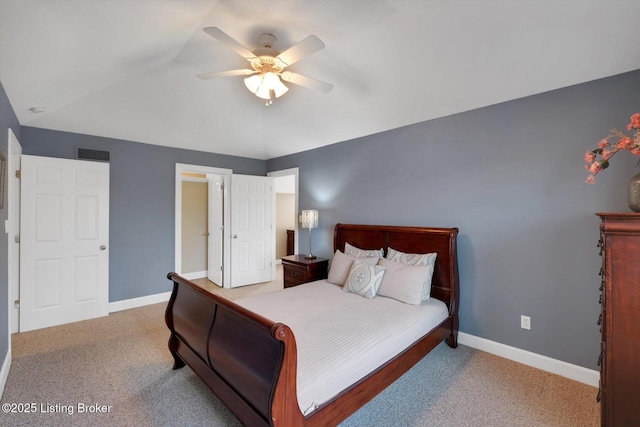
298, 270
295, 273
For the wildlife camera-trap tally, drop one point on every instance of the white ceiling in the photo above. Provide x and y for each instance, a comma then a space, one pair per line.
126, 68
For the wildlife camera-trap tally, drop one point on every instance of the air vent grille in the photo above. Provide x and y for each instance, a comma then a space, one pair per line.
95, 155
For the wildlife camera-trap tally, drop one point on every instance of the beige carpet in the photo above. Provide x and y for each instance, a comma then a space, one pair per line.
121, 364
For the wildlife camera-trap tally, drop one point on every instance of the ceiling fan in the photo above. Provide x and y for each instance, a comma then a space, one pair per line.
268, 65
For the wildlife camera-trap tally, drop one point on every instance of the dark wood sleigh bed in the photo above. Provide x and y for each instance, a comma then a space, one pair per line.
250, 362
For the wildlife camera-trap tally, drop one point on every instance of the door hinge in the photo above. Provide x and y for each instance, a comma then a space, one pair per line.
16, 239
16, 303
18, 174
220, 268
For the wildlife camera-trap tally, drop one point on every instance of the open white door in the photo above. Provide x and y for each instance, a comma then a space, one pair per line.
64, 257
252, 242
215, 240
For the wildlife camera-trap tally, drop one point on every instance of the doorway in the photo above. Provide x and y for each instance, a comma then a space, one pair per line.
247, 257
286, 210
213, 243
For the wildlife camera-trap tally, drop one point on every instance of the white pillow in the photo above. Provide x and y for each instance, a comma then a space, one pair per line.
364, 279
340, 266
403, 282
362, 253
428, 260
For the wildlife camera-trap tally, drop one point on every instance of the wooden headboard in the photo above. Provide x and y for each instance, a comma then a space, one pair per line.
415, 240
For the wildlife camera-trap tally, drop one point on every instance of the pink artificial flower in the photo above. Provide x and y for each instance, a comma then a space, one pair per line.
624, 143
589, 157
595, 168
597, 158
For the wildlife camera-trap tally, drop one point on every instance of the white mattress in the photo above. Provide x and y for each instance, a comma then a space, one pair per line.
342, 337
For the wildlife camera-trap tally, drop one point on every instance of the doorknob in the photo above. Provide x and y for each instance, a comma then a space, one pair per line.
235, 236
103, 247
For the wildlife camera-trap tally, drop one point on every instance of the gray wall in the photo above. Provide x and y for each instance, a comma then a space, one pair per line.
511, 178
142, 202
8, 120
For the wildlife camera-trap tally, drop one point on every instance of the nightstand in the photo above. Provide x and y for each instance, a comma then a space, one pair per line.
298, 270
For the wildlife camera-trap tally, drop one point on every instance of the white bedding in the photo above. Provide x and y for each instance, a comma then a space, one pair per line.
342, 337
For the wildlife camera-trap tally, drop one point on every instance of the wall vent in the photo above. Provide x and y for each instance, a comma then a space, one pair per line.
95, 155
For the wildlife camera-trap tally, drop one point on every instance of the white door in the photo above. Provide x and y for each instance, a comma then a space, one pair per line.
64, 257
252, 242
215, 229
13, 228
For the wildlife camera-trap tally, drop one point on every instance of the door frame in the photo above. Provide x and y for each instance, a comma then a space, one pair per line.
13, 230
226, 173
288, 172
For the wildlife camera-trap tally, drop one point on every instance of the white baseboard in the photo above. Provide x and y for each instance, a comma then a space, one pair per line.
195, 275
138, 302
558, 367
4, 373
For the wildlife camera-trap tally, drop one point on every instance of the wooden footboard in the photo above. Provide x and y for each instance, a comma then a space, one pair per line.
249, 362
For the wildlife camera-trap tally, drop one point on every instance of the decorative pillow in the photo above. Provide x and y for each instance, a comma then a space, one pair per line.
428, 260
340, 266
362, 253
405, 283
364, 279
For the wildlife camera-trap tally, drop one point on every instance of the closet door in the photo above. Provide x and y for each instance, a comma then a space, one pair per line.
64, 256
252, 231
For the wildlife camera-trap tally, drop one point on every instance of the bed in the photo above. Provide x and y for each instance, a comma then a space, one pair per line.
251, 363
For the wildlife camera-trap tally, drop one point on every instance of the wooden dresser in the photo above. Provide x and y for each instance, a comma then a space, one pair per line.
619, 359
298, 270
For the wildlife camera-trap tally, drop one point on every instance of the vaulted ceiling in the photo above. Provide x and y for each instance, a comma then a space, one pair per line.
126, 68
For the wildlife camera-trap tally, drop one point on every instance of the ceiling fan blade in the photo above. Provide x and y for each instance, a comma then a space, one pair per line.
307, 82
229, 73
225, 39
298, 51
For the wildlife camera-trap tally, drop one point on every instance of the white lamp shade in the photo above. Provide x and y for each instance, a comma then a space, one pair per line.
261, 84
309, 219
253, 83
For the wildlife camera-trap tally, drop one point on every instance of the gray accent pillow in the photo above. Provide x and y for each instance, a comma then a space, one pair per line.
340, 266
364, 279
362, 253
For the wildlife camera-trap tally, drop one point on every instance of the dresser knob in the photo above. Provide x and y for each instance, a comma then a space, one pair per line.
600, 319
599, 396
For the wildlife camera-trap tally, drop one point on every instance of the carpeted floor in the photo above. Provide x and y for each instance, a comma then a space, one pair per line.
67, 375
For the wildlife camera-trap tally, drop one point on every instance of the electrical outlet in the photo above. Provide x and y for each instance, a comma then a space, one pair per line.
525, 322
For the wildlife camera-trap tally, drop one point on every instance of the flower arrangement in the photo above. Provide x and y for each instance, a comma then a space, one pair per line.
598, 159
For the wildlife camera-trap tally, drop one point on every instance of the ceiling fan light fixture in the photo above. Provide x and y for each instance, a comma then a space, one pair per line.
262, 84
